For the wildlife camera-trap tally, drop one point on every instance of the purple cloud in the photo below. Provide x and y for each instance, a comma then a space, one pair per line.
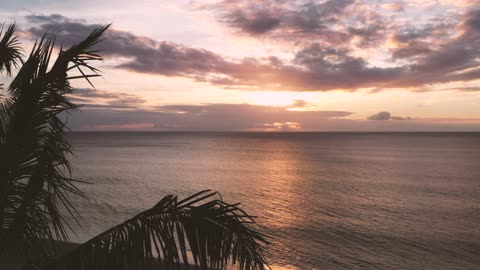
316, 66
117, 110
385, 116
245, 117
99, 99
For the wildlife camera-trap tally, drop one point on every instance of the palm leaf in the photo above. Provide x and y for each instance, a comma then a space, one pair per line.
10, 50
34, 171
211, 231
35, 181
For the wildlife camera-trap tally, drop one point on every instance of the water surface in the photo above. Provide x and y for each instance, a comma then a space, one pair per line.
329, 200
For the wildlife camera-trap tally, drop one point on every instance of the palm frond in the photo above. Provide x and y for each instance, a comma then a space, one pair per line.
5, 114
208, 233
35, 181
35, 174
10, 50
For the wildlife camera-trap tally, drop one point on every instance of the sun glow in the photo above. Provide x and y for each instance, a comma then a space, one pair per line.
272, 98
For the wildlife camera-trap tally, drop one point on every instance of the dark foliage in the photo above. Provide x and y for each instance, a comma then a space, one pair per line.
10, 50
36, 183
210, 232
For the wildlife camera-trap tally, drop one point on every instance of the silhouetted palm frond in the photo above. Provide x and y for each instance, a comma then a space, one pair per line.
216, 233
35, 182
35, 174
10, 50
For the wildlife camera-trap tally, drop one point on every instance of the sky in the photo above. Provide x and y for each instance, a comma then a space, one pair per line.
270, 65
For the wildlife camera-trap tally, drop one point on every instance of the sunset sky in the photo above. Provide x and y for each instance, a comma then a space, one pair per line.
271, 65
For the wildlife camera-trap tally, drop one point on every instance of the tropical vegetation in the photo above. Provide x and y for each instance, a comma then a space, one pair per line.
37, 186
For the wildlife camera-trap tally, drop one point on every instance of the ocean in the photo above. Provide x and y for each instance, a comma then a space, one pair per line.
328, 200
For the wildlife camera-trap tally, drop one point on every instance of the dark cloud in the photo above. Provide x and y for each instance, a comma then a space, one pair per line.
457, 89
412, 42
437, 54
410, 34
171, 59
335, 68
466, 89
380, 116
114, 110
367, 36
255, 23
52, 18
315, 65
147, 55
276, 17
99, 99
472, 22
385, 116
299, 21
414, 49
312, 17
245, 117
205, 117
430, 53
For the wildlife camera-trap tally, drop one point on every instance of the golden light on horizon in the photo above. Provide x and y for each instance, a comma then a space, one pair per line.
273, 98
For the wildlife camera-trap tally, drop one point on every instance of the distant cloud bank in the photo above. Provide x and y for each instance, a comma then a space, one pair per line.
102, 110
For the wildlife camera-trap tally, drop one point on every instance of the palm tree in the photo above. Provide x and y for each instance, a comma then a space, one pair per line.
36, 181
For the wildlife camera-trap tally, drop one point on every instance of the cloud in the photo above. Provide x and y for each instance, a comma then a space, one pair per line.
336, 68
276, 17
471, 22
385, 116
99, 99
315, 66
255, 23
101, 111
204, 117
400, 118
245, 117
397, 7
108, 110
298, 103
380, 116
461, 3
456, 89
145, 54
331, 22
172, 59
439, 50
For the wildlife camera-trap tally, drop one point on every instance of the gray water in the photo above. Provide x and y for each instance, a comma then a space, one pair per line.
329, 200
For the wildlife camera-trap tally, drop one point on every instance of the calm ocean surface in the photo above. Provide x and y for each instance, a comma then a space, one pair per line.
330, 200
